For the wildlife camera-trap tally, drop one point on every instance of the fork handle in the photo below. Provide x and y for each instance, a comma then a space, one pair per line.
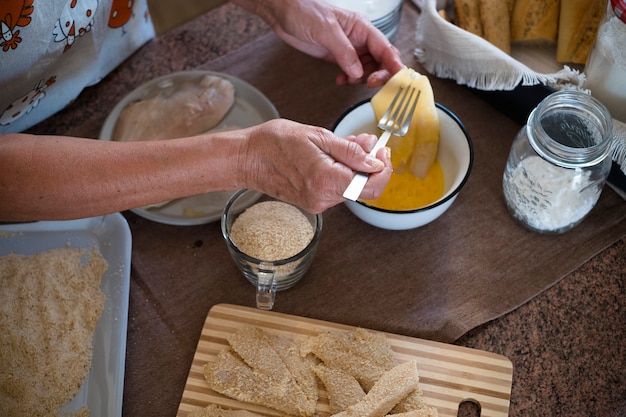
360, 179
380, 143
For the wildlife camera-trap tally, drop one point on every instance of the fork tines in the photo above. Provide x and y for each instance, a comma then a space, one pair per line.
398, 116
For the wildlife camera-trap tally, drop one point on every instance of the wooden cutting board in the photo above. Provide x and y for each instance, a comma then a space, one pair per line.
449, 374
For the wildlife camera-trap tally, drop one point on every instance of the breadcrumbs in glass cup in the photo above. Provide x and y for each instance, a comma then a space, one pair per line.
272, 242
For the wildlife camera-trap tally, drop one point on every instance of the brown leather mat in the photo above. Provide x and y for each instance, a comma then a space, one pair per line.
469, 266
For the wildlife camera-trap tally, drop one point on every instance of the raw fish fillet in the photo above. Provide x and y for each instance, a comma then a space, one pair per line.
193, 108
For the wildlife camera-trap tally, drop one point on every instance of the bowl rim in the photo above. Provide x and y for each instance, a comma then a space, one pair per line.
451, 194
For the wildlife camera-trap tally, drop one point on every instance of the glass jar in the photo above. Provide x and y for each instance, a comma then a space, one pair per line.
606, 66
558, 163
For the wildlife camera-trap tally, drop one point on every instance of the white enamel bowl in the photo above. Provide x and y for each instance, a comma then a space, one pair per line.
456, 156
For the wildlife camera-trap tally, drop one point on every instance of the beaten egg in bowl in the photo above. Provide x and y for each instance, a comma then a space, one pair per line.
455, 156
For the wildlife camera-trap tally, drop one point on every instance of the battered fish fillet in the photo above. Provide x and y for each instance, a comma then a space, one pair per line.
414, 406
193, 108
392, 387
343, 389
253, 371
216, 411
301, 368
426, 411
229, 375
363, 354
281, 374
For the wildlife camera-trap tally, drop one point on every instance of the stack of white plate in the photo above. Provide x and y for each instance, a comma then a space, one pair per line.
384, 14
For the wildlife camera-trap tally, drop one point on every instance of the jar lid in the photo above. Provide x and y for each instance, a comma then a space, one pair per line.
619, 8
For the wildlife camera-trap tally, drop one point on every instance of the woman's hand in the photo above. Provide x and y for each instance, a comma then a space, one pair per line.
310, 166
323, 31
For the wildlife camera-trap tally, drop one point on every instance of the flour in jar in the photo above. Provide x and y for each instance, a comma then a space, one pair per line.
548, 197
606, 67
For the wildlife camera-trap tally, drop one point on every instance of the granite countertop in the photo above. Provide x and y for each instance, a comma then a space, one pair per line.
567, 344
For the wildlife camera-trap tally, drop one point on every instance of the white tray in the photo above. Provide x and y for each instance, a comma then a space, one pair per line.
102, 390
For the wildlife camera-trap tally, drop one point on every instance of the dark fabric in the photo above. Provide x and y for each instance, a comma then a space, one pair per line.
468, 267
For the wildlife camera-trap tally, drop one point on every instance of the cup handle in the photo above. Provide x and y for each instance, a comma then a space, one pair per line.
265, 290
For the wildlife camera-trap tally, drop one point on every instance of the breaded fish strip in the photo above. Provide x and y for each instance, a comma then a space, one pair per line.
426, 411
300, 367
388, 391
361, 353
213, 410
342, 388
413, 401
414, 406
231, 376
252, 345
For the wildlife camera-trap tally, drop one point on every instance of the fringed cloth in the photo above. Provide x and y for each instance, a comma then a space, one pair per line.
447, 51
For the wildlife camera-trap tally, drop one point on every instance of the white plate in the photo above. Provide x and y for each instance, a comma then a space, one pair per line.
251, 108
102, 390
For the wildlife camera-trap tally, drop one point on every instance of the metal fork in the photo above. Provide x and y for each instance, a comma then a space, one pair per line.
395, 121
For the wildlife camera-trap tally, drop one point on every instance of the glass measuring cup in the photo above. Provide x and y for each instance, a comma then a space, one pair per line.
268, 275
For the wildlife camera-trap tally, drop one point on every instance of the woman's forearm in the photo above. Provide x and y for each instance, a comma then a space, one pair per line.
56, 177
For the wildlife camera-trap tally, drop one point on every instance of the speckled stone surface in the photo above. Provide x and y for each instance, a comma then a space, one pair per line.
567, 344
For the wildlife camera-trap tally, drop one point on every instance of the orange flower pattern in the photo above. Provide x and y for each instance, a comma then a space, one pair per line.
68, 21
14, 14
